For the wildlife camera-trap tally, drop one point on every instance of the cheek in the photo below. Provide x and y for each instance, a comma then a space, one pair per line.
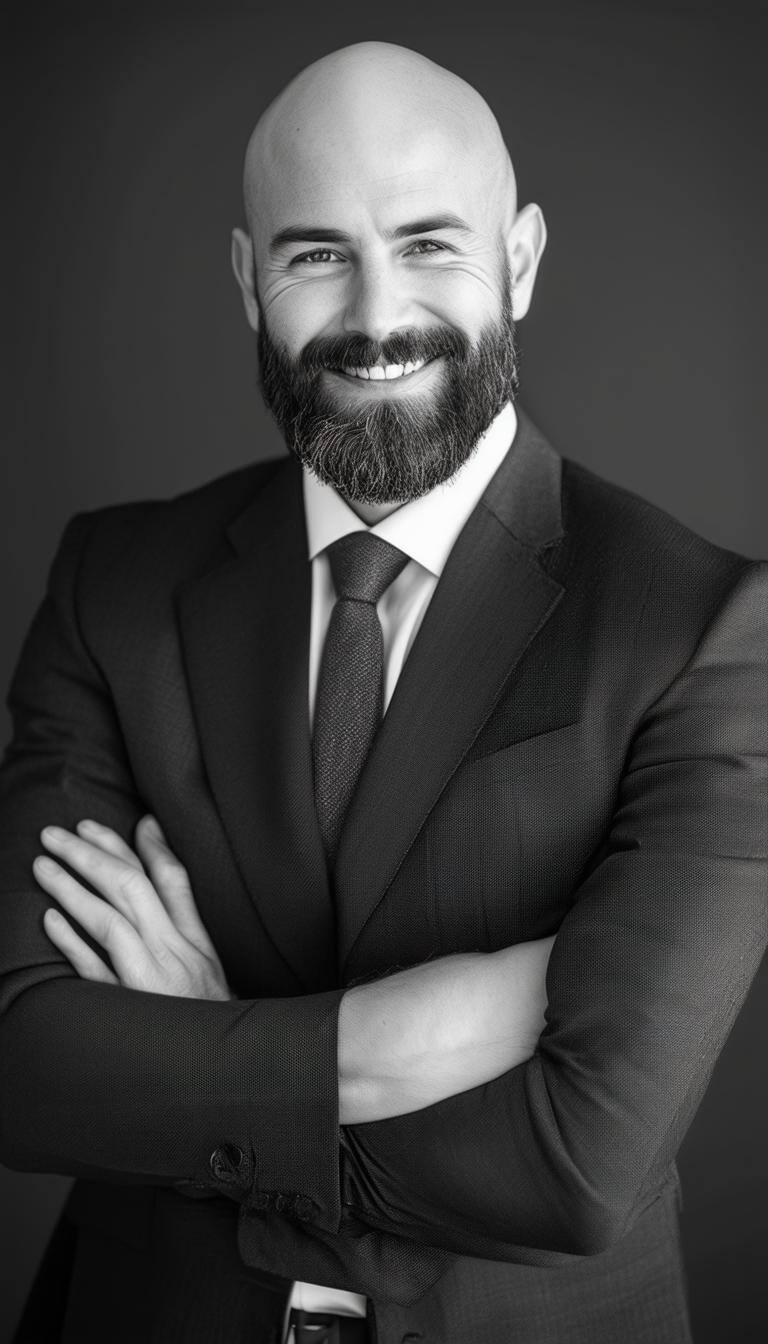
463, 297
295, 313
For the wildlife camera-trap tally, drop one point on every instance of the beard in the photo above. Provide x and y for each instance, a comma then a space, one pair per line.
390, 451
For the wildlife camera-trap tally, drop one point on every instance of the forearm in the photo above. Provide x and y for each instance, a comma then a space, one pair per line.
411, 1038
108, 1083
421, 1035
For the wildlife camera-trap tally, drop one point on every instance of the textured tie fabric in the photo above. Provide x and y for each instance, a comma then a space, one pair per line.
349, 697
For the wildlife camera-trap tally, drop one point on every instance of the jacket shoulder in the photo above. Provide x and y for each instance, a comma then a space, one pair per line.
167, 539
616, 526
661, 582
210, 505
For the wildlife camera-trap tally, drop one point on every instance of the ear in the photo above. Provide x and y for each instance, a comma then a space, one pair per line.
525, 243
245, 274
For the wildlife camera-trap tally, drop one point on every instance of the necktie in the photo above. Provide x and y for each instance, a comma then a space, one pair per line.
348, 705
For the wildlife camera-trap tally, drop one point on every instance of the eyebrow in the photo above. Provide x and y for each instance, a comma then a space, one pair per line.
305, 234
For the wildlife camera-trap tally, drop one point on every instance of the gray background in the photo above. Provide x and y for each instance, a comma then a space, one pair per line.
132, 372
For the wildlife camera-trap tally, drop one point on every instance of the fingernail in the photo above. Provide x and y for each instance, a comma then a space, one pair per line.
45, 866
88, 825
52, 833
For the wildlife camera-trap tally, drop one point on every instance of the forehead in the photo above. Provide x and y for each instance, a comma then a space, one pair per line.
353, 184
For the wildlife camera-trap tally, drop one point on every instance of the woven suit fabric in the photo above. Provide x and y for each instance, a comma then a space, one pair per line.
586, 670
349, 701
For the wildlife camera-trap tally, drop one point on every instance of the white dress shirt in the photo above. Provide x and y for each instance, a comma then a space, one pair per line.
426, 530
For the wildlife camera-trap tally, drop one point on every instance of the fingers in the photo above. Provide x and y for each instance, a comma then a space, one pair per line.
82, 958
121, 882
170, 880
106, 925
146, 921
158, 903
108, 840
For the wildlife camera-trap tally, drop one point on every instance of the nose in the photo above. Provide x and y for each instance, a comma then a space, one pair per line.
377, 305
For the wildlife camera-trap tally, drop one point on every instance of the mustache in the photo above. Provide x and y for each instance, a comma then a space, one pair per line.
405, 346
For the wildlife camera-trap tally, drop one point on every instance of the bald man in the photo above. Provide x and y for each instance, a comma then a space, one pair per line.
381, 831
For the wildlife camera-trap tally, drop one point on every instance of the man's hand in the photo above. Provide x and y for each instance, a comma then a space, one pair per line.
145, 917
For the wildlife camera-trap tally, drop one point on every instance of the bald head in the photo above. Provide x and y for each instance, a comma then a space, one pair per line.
366, 118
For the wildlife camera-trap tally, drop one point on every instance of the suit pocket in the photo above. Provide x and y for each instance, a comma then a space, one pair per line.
559, 742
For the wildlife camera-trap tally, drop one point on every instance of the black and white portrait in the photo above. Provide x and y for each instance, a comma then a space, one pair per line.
383, 808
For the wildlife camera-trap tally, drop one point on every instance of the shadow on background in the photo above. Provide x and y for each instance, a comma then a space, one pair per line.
132, 372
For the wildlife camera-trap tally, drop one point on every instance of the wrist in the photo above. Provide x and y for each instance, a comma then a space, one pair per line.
395, 1035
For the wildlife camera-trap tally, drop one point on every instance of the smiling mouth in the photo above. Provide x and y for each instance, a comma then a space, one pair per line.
384, 372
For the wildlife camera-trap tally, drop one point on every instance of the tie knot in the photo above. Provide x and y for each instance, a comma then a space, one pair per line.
363, 566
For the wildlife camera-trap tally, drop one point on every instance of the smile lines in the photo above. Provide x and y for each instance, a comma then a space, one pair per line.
387, 371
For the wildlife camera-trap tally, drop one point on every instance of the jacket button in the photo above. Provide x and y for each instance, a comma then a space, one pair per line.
281, 1203
227, 1162
302, 1207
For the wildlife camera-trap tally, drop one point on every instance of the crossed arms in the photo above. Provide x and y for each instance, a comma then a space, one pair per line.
556, 1155
405, 1042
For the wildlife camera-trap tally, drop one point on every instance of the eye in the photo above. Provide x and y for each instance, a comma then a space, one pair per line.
423, 246
321, 256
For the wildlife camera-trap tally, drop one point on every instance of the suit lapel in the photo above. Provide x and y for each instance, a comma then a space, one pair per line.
492, 599
245, 630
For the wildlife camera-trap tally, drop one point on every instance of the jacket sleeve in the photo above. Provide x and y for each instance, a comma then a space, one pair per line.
648, 971
237, 1098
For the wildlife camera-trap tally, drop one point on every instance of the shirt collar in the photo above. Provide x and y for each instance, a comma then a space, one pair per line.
426, 528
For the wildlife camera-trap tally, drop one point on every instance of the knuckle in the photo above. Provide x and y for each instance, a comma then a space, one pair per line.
131, 883
174, 878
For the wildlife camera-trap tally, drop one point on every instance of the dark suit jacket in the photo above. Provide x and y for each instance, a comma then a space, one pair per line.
574, 745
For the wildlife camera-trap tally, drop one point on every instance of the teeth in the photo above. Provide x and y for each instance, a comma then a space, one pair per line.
388, 371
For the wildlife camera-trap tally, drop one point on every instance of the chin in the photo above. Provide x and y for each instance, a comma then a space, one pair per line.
411, 404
